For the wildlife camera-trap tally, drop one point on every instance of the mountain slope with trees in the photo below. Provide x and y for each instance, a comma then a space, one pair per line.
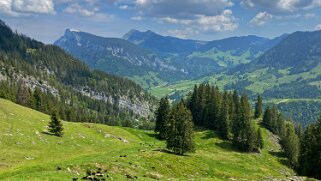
44, 77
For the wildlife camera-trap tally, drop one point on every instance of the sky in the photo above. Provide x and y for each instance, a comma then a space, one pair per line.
46, 20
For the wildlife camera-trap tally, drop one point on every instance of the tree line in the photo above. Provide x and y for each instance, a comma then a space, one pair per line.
225, 112
70, 105
230, 115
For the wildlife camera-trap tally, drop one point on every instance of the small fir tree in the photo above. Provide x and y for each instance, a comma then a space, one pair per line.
55, 125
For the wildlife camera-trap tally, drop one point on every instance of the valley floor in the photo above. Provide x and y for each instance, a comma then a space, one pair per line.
28, 153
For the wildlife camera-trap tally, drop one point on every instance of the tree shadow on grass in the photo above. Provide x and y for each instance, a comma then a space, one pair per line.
152, 135
280, 155
209, 135
169, 152
47, 133
227, 145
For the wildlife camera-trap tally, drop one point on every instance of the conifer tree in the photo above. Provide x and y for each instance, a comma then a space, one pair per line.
181, 130
290, 144
162, 116
55, 125
37, 99
224, 128
267, 117
260, 142
310, 151
245, 135
23, 96
235, 114
258, 107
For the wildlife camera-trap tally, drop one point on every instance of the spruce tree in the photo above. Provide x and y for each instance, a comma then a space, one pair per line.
162, 116
258, 107
290, 144
310, 151
267, 117
260, 142
181, 130
55, 125
245, 134
23, 96
224, 128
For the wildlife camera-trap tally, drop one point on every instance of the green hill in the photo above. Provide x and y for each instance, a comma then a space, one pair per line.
28, 153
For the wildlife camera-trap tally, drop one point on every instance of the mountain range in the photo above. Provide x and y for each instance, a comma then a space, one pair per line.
152, 59
285, 69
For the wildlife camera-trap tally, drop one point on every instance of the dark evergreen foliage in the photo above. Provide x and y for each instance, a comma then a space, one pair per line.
258, 107
310, 151
225, 113
180, 135
162, 118
55, 125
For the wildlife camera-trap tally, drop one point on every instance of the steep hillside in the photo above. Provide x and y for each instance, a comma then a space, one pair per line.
118, 57
28, 153
65, 82
300, 51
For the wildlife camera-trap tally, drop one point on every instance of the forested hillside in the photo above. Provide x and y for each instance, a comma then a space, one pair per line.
45, 77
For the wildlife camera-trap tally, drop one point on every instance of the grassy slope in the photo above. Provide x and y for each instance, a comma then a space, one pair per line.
28, 154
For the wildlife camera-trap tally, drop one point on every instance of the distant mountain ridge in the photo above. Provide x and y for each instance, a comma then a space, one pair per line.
165, 44
152, 59
114, 55
152, 41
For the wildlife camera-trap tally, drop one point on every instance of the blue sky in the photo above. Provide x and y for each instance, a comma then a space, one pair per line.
46, 20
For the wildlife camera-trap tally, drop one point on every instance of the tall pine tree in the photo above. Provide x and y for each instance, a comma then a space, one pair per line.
245, 135
181, 130
224, 128
258, 107
162, 116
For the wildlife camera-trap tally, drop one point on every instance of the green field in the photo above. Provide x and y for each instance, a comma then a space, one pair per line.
28, 153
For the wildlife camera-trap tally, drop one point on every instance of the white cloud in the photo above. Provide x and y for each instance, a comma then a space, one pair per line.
78, 9
281, 6
310, 15
317, 27
136, 18
33, 6
26, 7
123, 7
183, 33
201, 15
222, 22
261, 19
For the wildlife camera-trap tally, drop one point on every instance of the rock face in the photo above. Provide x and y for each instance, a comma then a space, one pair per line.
139, 107
124, 102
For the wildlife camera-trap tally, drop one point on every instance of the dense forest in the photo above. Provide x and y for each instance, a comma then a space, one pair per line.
44, 77
232, 117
